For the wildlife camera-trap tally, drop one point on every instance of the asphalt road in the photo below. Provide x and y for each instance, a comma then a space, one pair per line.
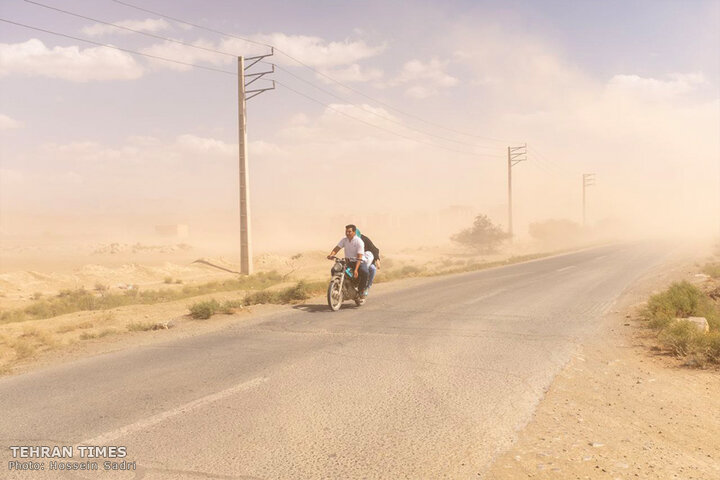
430, 381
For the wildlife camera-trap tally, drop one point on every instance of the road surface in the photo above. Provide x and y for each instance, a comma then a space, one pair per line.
431, 381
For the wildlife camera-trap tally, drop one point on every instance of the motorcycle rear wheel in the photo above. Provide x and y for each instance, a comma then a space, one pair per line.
335, 294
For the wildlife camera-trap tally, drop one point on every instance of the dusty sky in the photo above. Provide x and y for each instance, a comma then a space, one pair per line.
96, 141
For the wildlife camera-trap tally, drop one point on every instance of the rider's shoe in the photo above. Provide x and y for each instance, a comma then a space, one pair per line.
365, 293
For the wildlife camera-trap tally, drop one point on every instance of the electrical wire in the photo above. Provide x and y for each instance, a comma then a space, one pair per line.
133, 52
318, 72
330, 107
122, 27
212, 50
372, 112
156, 57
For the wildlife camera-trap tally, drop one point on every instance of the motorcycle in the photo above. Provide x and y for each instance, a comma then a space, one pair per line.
343, 285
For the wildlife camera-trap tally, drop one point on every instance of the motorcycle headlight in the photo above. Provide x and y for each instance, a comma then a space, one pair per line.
337, 268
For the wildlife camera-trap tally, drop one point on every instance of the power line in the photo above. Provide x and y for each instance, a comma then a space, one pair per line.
377, 126
192, 24
122, 27
554, 165
384, 117
318, 72
156, 57
133, 52
212, 50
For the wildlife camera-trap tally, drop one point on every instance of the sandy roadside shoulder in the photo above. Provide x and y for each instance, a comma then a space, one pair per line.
72, 345
621, 410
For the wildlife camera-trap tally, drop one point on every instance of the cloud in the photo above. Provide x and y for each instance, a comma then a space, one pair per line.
72, 63
183, 53
432, 72
424, 79
312, 51
514, 71
352, 73
151, 25
206, 146
318, 52
676, 84
7, 123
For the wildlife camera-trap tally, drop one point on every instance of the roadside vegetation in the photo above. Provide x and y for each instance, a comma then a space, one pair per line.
27, 342
712, 269
70, 301
667, 314
483, 236
297, 293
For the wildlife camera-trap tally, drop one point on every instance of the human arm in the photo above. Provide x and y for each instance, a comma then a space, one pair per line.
369, 245
332, 254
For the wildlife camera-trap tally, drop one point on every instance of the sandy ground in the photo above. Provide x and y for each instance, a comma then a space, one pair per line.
115, 268
621, 409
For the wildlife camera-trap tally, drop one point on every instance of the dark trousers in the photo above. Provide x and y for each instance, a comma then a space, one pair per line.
362, 274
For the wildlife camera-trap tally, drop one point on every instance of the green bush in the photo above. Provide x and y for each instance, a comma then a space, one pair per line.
682, 299
228, 307
681, 338
712, 348
204, 310
483, 236
263, 296
296, 293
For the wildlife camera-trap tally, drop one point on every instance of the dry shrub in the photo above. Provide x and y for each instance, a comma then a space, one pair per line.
23, 349
681, 338
107, 332
140, 326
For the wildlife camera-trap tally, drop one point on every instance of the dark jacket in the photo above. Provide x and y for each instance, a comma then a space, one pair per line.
370, 246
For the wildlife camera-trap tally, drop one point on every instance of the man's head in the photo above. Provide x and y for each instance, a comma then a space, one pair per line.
350, 231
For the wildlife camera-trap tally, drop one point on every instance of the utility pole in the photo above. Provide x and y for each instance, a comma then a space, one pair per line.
515, 156
246, 267
588, 181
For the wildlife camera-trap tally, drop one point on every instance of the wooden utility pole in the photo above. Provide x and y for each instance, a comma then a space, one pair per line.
515, 156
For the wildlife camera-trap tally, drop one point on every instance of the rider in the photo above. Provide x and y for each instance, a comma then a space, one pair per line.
354, 249
371, 257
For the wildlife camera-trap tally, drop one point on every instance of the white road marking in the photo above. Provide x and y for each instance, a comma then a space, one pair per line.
484, 297
161, 417
566, 268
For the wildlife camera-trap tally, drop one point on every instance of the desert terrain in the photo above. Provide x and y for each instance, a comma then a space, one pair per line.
31, 274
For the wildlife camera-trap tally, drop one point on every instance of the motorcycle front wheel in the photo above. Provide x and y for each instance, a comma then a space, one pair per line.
335, 294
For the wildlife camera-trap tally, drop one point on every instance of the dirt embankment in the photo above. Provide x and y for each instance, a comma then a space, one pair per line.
623, 409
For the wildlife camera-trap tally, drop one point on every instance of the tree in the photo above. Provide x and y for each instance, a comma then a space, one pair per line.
483, 236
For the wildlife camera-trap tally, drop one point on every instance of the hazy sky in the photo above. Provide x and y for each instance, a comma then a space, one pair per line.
629, 90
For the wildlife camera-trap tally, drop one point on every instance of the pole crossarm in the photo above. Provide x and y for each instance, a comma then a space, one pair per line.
517, 154
258, 91
253, 60
257, 76
588, 181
